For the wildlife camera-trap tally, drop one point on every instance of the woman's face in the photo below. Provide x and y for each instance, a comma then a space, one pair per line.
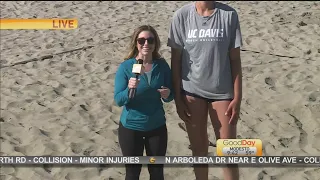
146, 43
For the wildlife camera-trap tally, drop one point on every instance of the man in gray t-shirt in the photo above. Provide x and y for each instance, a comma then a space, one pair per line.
205, 40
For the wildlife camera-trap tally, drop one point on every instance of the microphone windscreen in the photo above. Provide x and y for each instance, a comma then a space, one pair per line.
137, 68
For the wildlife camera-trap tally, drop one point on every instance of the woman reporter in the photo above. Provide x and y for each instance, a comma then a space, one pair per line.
143, 122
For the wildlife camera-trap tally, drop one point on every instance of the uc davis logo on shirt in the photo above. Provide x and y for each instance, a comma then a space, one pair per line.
205, 35
239, 147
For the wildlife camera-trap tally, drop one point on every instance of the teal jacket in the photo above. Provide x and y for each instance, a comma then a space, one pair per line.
145, 111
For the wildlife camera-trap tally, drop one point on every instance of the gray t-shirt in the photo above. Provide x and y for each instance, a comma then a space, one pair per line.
205, 43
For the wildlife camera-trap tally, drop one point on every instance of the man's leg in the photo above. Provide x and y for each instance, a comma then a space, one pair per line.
224, 130
197, 132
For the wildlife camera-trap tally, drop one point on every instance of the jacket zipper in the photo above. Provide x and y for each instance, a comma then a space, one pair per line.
145, 77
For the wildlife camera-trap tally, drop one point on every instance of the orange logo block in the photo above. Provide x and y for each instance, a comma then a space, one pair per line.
38, 24
239, 147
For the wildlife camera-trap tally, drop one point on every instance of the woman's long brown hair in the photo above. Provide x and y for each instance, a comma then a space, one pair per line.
133, 50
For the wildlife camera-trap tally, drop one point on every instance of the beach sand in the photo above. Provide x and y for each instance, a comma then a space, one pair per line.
57, 85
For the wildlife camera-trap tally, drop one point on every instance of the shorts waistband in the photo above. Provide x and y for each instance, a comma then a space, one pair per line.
200, 97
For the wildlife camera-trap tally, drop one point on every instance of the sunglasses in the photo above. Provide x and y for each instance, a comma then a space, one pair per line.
141, 41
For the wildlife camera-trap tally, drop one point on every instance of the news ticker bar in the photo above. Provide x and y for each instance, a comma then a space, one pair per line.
241, 160
38, 24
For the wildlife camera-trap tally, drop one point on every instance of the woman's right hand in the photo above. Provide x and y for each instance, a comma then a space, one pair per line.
133, 83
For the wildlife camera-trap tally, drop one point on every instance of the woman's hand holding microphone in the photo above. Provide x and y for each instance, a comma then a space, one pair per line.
133, 83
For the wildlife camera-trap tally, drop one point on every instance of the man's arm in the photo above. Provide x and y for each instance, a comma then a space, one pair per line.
176, 72
168, 82
236, 73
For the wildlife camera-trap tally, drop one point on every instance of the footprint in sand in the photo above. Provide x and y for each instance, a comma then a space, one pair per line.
303, 140
9, 134
49, 46
47, 168
289, 75
17, 140
302, 23
76, 148
115, 131
261, 175
106, 69
19, 149
14, 105
82, 81
82, 91
90, 56
3, 62
6, 171
83, 114
315, 143
111, 76
306, 14
88, 151
71, 64
29, 100
285, 142
248, 40
87, 67
269, 81
83, 107
115, 122
313, 96
52, 146
47, 111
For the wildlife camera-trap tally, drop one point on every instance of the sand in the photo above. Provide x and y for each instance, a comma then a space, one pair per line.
57, 85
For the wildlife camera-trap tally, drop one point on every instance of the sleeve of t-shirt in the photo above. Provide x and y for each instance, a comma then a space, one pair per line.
236, 37
175, 32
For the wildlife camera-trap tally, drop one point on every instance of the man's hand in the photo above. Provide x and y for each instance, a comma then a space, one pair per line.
183, 110
233, 111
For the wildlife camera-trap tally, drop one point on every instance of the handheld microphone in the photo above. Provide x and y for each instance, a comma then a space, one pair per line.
136, 69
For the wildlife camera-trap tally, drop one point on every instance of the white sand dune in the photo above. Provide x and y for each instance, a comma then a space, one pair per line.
61, 102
